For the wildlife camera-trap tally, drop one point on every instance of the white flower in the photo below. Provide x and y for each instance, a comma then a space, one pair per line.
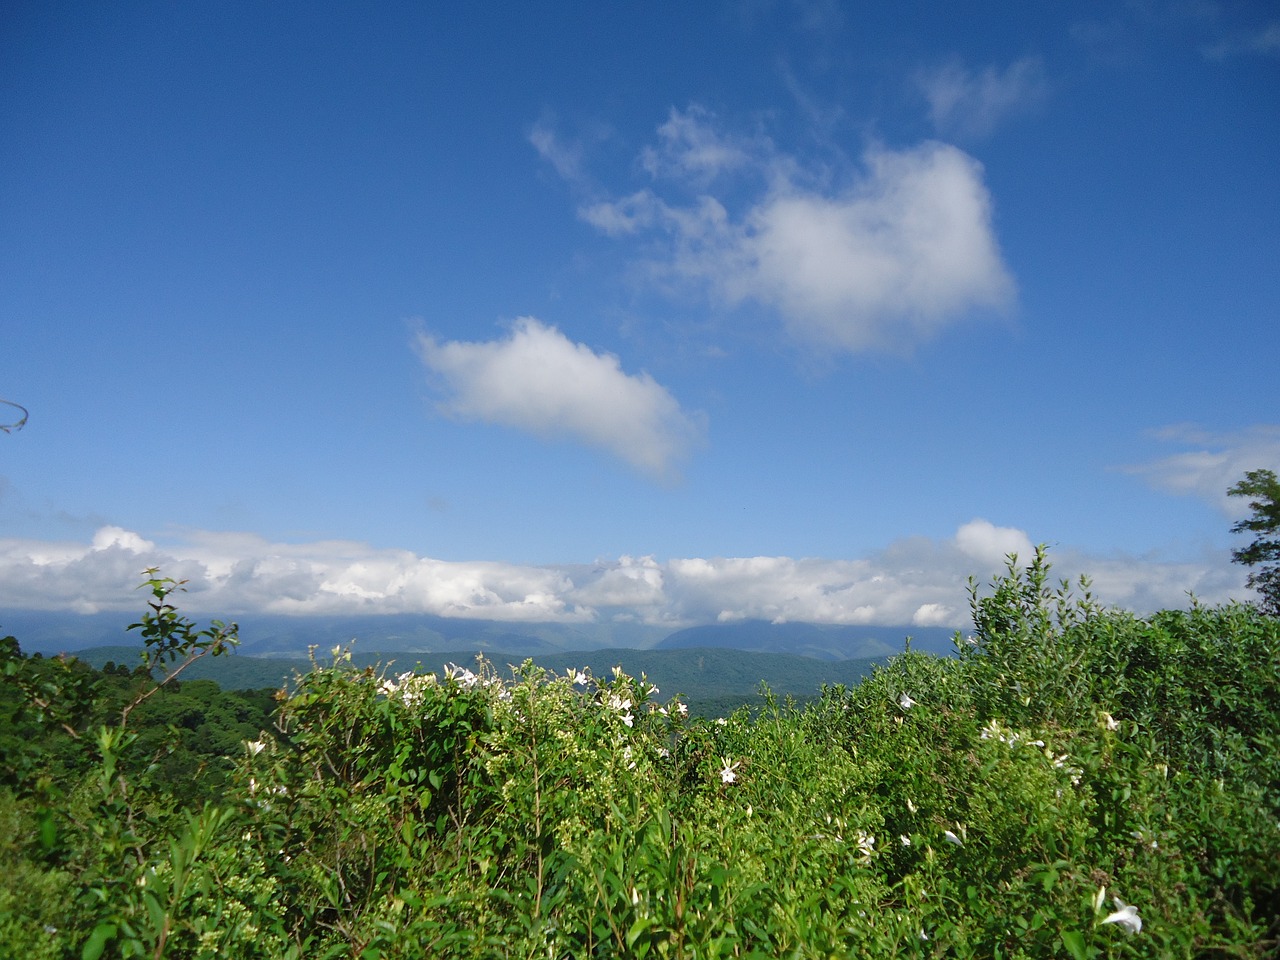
464, 676
904, 840
255, 747
579, 677
1125, 915
911, 806
682, 709
619, 703
628, 719
651, 691
952, 838
866, 844
727, 774
905, 702
1110, 722
721, 721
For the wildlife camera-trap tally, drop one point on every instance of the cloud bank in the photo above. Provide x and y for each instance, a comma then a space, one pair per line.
917, 581
899, 250
538, 381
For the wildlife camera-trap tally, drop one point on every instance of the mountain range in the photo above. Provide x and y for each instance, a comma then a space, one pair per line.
285, 636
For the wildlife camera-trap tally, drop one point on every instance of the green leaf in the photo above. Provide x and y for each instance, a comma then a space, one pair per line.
102, 934
1073, 940
637, 929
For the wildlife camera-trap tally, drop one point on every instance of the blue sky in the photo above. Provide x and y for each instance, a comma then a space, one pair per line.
675, 313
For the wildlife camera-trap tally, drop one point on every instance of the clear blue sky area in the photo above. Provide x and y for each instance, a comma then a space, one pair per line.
657, 312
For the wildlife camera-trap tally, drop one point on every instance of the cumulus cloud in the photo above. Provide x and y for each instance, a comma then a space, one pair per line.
916, 581
969, 103
985, 542
886, 261
539, 381
1213, 464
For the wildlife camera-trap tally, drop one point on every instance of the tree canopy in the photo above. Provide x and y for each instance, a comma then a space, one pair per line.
1263, 489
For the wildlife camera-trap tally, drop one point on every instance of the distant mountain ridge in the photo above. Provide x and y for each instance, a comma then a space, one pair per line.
291, 636
821, 641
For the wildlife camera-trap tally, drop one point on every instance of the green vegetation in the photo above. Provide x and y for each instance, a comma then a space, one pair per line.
1076, 782
1264, 552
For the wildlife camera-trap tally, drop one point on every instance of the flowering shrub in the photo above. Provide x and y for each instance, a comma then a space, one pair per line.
1075, 782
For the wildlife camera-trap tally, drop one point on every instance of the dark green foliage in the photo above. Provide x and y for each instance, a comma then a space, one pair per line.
1264, 552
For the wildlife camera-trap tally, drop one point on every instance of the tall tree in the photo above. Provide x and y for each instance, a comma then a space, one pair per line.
1264, 553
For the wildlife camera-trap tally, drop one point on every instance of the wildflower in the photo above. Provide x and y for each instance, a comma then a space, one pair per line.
682, 709
1110, 722
1125, 916
628, 719
866, 845
911, 806
579, 677
619, 703
721, 721
904, 840
952, 838
651, 691
727, 774
255, 747
905, 701
464, 676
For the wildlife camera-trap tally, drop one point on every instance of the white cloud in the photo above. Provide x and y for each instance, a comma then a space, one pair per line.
539, 381
108, 537
985, 542
1214, 464
886, 262
691, 147
972, 104
916, 581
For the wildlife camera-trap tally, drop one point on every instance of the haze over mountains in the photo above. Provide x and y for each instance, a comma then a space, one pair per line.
282, 636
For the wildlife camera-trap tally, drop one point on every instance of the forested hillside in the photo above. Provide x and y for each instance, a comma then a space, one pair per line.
1077, 782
